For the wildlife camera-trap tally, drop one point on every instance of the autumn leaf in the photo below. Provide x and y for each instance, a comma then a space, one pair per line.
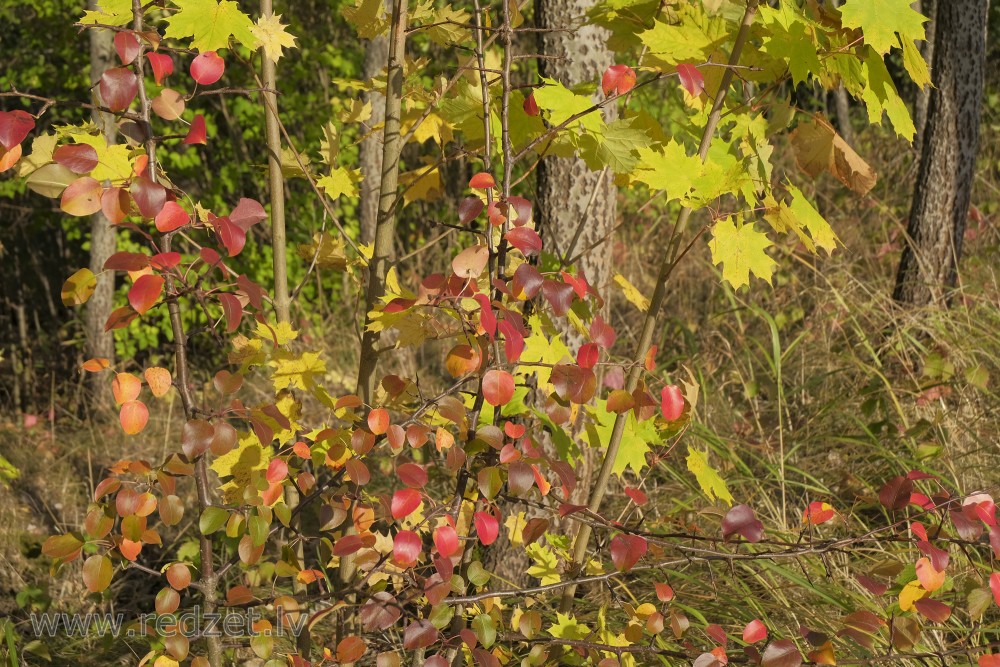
741, 250
881, 21
210, 24
271, 34
708, 478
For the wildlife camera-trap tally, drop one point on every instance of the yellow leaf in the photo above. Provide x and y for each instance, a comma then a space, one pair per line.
708, 478
911, 593
341, 181
632, 293
270, 32
741, 251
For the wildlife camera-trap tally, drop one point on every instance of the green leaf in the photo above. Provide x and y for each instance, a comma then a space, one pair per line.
915, 64
546, 565
881, 20
672, 44
367, 17
109, 12
211, 24
880, 95
485, 629
802, 219
561, 103
708, 478
792, 40
635, 441
741, 250
212, 519
567, 627
670, 169
615, 147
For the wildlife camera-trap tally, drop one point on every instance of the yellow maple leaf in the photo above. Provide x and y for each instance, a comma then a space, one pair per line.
271, 34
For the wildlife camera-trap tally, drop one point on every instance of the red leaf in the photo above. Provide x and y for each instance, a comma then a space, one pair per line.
198, 133
482, 181
559, 296
525, 239
406, 548
498, 387
232, 309
495, 216
380, 613
172, 216
133, 417
995, 586
248, 212
487, 527
637, 495
404, 503
602, 333
277, 470
127, 261
412, 475
513, 341
149, 197
530, 106
989, 660
82, 197
207, 68
120, 318
8, 158
664, 592
127, 47
671, 402
419, 634
895, 495
145, 292
233, 237
522, 207
161, 64
469, 209
754, 632
818, 512
527, 281
618, 79
14, 127
78, 158
446, 540
742, 520
933, 610
486, 317
115, 204
782, 653
118, 87
717, 634
587, 355
378, 421
691, 79
626, 550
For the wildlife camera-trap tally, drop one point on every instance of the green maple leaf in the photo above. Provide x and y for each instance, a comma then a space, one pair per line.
109, 12
880, 96
546, 565
211, 24
670, 169
635, 441
741, 250
561, 103
708, 477
567, 627
615, 147
881, 20
672, 44
795, 45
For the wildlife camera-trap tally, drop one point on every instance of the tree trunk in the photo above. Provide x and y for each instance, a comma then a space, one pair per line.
376, 59
575, 207
102, 234
925, 7
929, 266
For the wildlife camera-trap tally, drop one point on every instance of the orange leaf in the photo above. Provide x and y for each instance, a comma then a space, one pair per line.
158, 380
125, 387
133, 417
145, 293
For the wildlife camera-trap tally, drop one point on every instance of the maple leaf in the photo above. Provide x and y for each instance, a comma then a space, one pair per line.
635, 439
567, 627
881, 20
795, 45
741, 250
671, 169
270, 33
546, 565
561, 103
880, 96
340, 181
632, 293
109, 12
708, 477
368, 17
302, 371
211, 24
